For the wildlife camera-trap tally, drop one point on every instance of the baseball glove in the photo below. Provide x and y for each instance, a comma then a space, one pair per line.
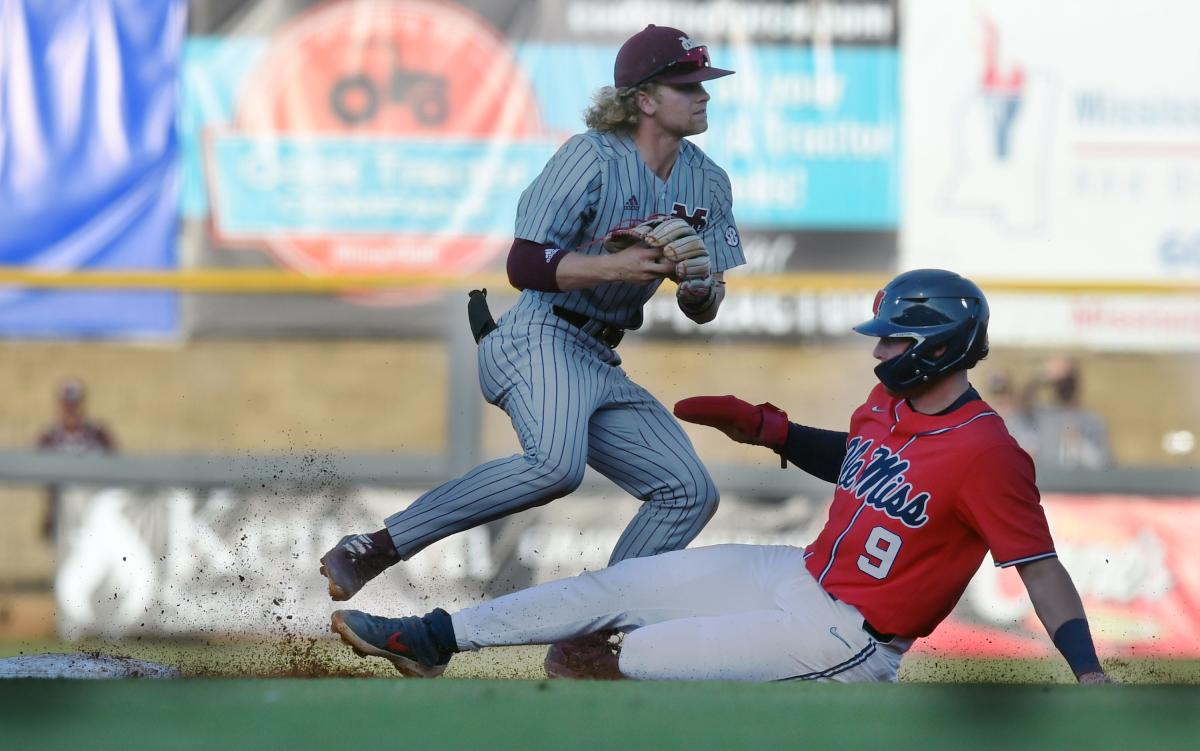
693, 268
676, 238
760, 424
695, 296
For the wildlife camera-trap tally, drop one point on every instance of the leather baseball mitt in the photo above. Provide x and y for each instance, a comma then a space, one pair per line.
760, 424
676, 238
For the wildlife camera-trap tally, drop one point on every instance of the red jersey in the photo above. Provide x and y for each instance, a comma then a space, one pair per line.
920, 499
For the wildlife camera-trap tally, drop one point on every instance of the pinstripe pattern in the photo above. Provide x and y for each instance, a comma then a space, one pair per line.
571, 405
569, 401
598, 181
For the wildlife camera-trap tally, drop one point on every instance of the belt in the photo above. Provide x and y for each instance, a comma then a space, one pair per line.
606, 333
876, 634
873, 632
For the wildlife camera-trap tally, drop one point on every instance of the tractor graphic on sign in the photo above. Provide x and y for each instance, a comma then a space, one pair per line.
357, 98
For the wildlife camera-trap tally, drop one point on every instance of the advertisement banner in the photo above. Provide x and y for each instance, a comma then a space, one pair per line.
1129, 323
1132, 560
177, 562
393, 136
88, 160
1048, 141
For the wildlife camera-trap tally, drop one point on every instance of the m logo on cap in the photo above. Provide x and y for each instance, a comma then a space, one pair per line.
686, 43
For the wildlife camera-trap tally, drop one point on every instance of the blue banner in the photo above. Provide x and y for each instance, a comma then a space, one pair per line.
810, 139
342, 186
89, 172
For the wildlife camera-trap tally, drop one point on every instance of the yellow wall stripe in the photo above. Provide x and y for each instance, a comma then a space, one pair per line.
240, 281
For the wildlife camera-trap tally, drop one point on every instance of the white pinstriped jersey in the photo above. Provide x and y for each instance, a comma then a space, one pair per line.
598, 181
570, 402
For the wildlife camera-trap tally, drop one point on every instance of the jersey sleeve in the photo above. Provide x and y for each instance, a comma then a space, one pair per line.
721, 234
999, 499
558, 204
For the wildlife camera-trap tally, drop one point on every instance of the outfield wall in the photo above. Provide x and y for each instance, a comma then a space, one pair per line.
225, 561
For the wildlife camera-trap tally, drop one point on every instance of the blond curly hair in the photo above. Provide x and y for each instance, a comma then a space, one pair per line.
616, 110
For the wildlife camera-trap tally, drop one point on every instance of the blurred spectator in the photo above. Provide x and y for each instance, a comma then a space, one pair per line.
71, 433
1013, 405
1066, 434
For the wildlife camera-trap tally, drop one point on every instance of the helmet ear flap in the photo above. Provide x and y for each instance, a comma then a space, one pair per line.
978, 348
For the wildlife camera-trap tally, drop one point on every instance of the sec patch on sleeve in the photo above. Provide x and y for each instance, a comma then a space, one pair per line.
731, 237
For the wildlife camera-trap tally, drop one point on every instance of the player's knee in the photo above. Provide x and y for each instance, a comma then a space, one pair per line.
645, 658
559, 477
705, 500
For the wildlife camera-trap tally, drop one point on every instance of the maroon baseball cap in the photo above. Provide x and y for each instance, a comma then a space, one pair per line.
664, 55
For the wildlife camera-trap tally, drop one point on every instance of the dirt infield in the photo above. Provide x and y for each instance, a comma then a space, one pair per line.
305, 657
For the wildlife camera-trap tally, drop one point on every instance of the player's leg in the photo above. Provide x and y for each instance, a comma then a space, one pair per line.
730, 611
737, 612
548, 390
634, 593
635, 442
765, 645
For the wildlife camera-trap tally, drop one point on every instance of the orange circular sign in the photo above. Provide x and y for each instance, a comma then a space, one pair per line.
374, 69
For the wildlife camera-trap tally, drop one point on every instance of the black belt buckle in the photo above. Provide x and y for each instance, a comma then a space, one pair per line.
876, 634
610, 335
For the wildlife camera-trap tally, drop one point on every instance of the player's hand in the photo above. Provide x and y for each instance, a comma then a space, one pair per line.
1094, 677
759, 424
639, 263
695, 296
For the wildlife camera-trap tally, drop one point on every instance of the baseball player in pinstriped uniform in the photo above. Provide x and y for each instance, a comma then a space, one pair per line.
617, 210
926, 481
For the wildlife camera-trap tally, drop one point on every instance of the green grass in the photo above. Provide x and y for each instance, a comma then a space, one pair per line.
578, 716
245, 695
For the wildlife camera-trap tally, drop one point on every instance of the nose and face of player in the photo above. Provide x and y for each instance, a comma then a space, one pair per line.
930, 397
680, 110
891, 346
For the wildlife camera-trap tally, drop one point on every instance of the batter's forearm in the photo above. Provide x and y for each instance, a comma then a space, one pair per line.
1053, 594
818, 452
1057, 604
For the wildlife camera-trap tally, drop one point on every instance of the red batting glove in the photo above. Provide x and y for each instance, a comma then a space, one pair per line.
760, 424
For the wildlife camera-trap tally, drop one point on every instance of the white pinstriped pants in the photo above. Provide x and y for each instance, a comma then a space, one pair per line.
572, 407
726, 612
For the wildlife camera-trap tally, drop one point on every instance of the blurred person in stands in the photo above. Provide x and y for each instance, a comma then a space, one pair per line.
1013, 405
1066, 435
71, 433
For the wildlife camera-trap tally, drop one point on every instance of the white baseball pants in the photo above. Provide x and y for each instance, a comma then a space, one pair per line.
726, 612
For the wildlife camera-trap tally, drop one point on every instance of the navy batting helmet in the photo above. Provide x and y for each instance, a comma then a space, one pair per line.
945, 315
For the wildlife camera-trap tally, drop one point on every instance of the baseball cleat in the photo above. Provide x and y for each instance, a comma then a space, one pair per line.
405, 642
350, 564
589, 657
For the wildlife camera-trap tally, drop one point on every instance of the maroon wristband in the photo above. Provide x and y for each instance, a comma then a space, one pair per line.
534, 265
